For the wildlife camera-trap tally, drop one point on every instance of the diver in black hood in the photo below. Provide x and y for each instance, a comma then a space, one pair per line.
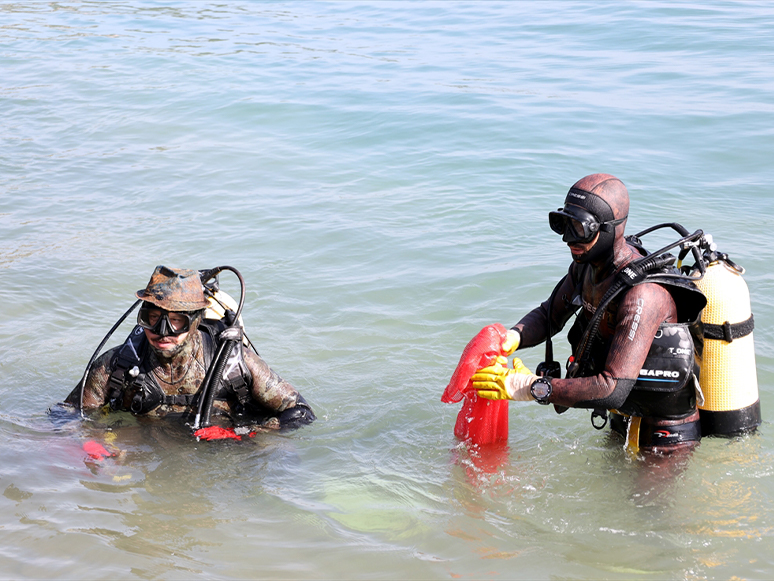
620, 314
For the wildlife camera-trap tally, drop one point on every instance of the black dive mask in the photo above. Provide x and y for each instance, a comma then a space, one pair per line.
158, 321
584, 216
577, 225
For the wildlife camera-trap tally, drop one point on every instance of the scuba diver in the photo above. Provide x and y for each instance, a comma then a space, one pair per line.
633, 352
187, 358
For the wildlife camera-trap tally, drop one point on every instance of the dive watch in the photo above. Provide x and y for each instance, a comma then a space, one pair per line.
541, 390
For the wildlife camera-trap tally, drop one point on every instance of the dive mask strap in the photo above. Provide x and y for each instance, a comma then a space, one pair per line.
611, 224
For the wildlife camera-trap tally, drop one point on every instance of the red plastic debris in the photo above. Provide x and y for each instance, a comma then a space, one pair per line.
95, 450
216, 433
480, 420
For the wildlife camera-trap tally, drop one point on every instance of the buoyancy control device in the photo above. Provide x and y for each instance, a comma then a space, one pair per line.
724, 352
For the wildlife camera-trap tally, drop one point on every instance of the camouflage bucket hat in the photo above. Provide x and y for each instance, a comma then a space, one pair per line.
174, 289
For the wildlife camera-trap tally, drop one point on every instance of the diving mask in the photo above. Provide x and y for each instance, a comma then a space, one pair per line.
164, 323
577, 225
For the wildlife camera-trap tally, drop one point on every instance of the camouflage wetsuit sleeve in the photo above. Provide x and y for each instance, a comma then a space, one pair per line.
269, 389
95, 394
640, 312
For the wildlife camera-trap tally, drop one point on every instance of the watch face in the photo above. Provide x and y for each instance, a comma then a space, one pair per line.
541, 389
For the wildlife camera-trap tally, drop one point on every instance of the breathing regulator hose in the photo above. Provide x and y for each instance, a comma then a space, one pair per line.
230, 338
687, 243
82, 384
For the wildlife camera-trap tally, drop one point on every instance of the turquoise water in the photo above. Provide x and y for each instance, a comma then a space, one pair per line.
380, 174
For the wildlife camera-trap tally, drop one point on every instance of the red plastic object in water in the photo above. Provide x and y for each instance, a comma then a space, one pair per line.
95, 450
480, 420
216, 433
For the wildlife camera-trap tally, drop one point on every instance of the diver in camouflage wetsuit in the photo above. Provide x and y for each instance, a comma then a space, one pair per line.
173, 347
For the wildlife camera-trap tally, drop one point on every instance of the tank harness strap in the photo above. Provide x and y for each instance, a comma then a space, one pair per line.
240, 387
187, 399
126, 361
115, 387
729, 331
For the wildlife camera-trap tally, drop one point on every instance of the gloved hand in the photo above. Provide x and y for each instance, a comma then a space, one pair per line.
499, 382
511, 343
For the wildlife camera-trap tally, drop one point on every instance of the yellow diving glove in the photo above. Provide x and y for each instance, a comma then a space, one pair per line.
498, 381
511, 342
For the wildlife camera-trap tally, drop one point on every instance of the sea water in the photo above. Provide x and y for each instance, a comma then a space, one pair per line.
380, 173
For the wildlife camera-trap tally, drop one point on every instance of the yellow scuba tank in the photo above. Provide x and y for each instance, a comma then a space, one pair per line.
220, 301
725, 352
723, 340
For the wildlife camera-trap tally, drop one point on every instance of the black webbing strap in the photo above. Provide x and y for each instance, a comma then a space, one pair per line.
186, 399
115, 387
237, 383
729, 331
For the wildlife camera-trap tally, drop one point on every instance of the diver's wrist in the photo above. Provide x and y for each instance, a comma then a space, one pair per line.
541, 390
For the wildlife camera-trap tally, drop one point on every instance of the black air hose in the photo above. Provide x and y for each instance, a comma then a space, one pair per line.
229, 337
96, 353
